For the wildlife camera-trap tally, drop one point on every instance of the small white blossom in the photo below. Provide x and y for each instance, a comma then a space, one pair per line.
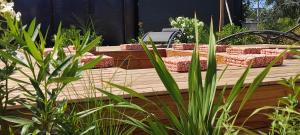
7, 9
18, 16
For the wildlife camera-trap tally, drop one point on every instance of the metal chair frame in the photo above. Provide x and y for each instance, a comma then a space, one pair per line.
267, 34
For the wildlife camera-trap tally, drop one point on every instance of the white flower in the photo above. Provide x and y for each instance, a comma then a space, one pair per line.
18, 16
7, 7
200, 24
7, 10
173, 22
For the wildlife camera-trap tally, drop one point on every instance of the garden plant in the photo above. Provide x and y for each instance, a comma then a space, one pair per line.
206, 111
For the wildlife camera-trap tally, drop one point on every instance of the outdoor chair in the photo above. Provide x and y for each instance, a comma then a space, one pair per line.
166, 36
268, 35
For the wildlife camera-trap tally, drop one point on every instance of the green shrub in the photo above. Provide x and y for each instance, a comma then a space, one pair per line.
229, 29
188, 26
281, 24
286, 116
48, 77
9, 43
71, 34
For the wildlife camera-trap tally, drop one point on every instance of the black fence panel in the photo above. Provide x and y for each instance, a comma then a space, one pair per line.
70, 12
130, 19
155, 14
117, 20
108, 17
39, 9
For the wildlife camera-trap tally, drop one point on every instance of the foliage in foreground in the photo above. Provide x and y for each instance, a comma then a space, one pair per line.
285, 117
201, 115
47, 77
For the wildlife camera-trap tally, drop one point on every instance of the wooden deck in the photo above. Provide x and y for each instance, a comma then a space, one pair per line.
147, 82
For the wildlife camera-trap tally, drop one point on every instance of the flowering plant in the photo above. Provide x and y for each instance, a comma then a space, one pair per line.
188, 26
7, 10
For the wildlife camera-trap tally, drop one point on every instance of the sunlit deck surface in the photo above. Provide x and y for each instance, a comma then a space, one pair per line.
147, 82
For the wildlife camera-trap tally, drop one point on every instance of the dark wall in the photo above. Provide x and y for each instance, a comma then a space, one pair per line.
39, 9
114, 19
155, 14
117, 20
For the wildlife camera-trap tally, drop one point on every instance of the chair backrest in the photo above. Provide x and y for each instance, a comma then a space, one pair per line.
172, 29
158, 37
167, 36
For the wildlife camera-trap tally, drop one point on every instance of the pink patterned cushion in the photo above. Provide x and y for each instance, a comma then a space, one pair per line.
244, 50
131, 47
288, 55
257, 60
182, 63
106, 61
183, 46
219, 48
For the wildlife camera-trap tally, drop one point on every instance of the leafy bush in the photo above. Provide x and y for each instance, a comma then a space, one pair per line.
229, 29
72, 34
8, 67
286, 116
281, 24
188, 26
49, 76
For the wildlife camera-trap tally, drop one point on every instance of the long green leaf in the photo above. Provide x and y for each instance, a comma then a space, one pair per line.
167, 79
17, 120
90, 64
129, 91
91, 45
13, 59
32, 48
61, 67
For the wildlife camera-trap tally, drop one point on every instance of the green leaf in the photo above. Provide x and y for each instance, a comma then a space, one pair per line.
88, 112
64, 80
237, 87
18, 80
61, 67
88, 130
33, 48
129, 91
32, 26
37, 89
36, 32
25, 129
13, 59
17, 120
112, 96
91, 64
91, 45
164, 75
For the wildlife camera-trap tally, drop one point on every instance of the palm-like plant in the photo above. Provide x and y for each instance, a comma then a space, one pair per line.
202, 115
